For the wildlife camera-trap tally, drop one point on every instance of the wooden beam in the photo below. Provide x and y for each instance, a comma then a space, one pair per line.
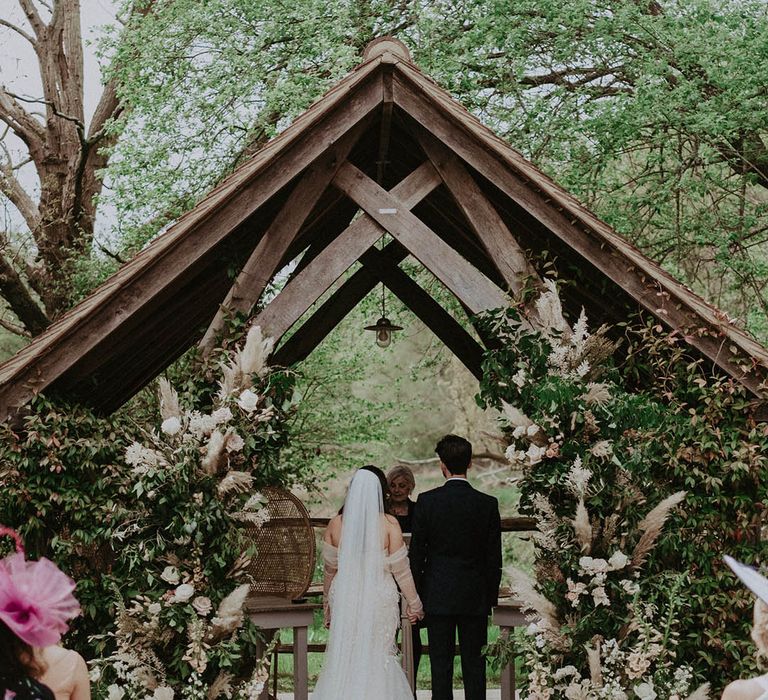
386, 126
331, 312
424, 307
465, 281
305, 289
175, 254
273, 245
451, 125
504, 251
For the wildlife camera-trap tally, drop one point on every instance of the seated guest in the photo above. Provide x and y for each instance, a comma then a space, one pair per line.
401, 485
752, 688
36, 602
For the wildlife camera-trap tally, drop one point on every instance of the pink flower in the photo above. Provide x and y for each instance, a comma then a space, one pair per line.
36, 599
9, 695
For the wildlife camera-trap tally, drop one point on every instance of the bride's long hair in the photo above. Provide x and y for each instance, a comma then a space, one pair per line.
352, 645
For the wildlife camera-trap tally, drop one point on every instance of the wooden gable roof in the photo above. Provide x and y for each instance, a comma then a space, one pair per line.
390, 142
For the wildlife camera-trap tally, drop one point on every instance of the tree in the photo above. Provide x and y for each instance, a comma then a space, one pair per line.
67, 156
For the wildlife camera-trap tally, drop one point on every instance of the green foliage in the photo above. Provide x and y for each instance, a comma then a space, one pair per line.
634, 445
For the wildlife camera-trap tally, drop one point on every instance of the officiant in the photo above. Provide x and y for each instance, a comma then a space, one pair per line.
402, 484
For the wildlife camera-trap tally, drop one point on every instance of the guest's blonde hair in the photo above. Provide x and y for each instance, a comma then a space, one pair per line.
760, 627
401, 470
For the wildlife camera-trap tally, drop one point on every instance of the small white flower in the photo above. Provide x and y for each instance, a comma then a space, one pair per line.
154, 608
183, 593
94, 674
248, 401
170, 575
202, 605
583, 369
115, 692
532, 429
618, 560
222, 415
171, 426
519, 431
631, 587
518, 379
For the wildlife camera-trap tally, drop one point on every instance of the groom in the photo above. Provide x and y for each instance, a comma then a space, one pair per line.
456, 561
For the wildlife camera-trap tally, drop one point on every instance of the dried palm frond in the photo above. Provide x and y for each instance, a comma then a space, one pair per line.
222, 685
525, 589
595, 667
582, 527
651, 526
169, 400
235, 482
701, 693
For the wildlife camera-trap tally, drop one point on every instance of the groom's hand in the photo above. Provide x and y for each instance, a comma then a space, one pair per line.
414, 617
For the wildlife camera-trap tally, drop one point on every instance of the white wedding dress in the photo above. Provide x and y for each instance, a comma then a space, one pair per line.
364, 603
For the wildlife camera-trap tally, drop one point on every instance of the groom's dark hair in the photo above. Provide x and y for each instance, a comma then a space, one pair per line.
455, 453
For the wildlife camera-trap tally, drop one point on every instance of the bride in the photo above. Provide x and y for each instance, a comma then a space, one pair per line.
364, 555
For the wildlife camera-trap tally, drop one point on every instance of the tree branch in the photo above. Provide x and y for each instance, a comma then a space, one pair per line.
18, 30
25, 126
20, 299
11, 188
38, 26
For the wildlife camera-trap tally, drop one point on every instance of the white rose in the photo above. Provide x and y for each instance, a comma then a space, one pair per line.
183, 593
511, 453
163, 692
222, 415
202, 605
618, 560
234, 442
532, 429
171, 426
518, 432
600, 597
170, 575
115, 692
645, 691
535, 454
248, 401
154, 608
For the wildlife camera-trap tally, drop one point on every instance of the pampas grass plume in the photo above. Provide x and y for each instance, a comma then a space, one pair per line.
651, 526
169, 400
524, 588
582, 527
595, 667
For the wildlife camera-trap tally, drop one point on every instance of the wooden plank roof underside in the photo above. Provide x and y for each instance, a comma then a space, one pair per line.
160, 303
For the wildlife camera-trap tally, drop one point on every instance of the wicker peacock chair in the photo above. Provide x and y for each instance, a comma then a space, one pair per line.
285, 548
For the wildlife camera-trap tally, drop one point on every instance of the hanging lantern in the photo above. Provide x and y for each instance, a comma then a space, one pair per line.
383, 329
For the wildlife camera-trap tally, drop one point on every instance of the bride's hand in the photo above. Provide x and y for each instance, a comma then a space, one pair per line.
414, 617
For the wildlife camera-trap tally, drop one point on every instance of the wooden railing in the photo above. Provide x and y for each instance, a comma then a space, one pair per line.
514, 524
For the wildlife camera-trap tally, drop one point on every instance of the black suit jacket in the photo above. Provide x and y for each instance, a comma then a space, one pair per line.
456, 550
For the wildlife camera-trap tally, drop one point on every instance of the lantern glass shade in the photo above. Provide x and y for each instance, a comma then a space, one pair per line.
383, 329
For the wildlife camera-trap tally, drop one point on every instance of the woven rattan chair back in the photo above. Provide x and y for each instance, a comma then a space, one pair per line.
285, 547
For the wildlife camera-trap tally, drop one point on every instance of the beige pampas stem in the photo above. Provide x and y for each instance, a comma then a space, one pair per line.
222, 685
582, 527
230, 614
651, 526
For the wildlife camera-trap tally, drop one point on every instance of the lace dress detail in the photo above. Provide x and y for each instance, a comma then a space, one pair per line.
383, 680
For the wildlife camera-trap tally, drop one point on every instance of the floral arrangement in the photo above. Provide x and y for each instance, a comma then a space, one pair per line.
183, 632
583, 444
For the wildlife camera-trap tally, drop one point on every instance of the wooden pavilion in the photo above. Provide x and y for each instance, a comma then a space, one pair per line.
385, 150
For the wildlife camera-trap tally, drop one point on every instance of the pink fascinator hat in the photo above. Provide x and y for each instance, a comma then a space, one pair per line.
36, 600
751, 578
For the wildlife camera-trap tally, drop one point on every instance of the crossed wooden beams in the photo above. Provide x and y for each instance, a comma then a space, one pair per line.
382, 212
